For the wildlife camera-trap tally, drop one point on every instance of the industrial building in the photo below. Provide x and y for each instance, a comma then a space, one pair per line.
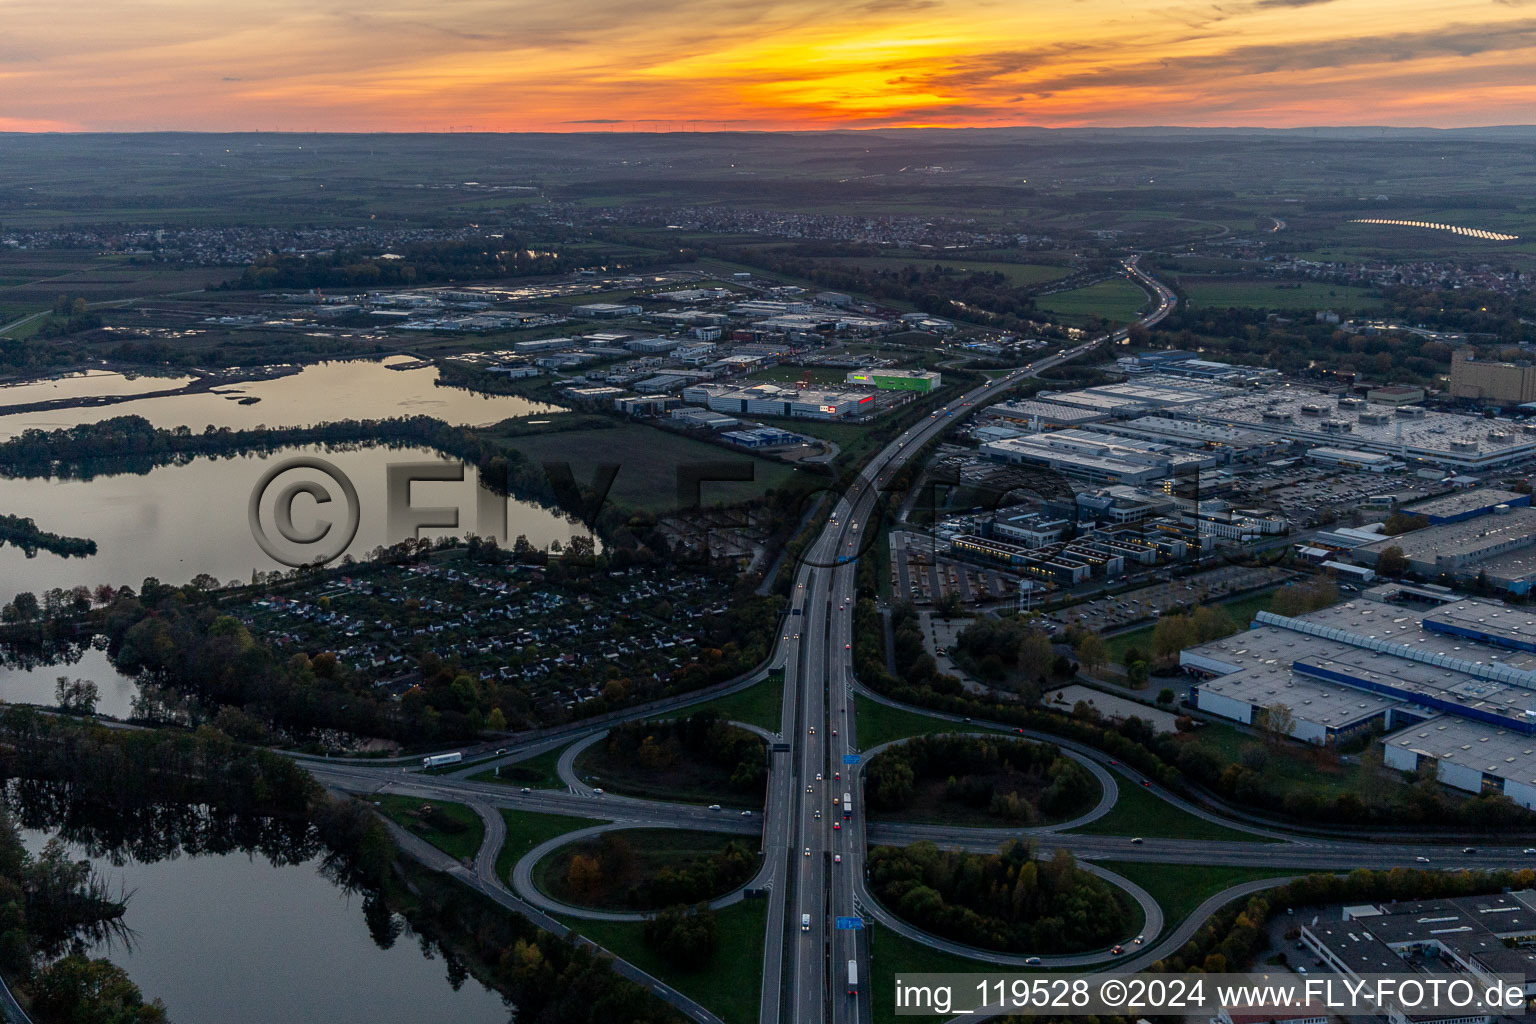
1037, 414
776, 400
762, 437
1407, 433
1098, 457
897, 380
692, 416
605, 310
1473, 935
1456, 684
1500, 547
1463, 505
1505, 383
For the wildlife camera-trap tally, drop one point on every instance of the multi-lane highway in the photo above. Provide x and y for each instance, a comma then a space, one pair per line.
814, 857
819, 718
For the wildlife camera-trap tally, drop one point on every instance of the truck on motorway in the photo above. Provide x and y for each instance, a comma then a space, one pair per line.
438, 760
853, 977
847, 805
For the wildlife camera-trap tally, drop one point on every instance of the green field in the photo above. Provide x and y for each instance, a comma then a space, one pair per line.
1140, 813
1180, 888
527, 829
1116, 299
1018, 274
648, 460
729, 983
459, 841
1224, 292
892, 955
877, 723
537, 772
760, 704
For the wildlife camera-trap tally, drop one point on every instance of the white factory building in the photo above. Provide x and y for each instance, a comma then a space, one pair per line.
1455, 685
1100, 458
776, 400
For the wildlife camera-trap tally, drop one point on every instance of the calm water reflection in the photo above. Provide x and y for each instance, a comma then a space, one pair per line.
20, 684
178, 521
231, 939
321, 393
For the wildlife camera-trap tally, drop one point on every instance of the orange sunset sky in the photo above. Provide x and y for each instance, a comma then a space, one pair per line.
418, 65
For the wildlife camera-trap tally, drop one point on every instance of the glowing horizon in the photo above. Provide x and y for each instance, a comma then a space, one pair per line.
410, 65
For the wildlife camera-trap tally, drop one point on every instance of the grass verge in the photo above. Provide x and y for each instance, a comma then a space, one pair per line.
1140, 813
729, 983
453, 828
527, 829
761, 704
1180, 888
537, 772
878, 723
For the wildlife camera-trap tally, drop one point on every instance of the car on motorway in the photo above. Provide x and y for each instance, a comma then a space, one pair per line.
1139, 938
1137, 841
1031, 961
837, 826
805, 920
813, 730
838, 777
599, 792
1421, 860
816, 814
714, 807
847, 647
807, 851
834, 732
746, 814
1144, 782
1469, 849
818, 776
837, 858
525, 789
1117, 950
809, 788
1529, 850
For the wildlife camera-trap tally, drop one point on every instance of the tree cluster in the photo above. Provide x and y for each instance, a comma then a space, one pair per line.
685, 936
1006, 900
656, 748
1013, 779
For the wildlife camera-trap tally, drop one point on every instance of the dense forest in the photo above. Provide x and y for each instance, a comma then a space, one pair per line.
607, 871
1006, 900
1010, 779
655, 749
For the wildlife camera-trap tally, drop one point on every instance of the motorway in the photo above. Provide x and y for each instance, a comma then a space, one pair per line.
814, 857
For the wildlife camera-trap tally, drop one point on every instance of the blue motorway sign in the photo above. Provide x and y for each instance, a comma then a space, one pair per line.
850, 759
850, 924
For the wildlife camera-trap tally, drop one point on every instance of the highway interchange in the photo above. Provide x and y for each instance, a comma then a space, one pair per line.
813, 859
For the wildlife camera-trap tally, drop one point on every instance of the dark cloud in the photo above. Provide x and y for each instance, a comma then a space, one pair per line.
1001, 70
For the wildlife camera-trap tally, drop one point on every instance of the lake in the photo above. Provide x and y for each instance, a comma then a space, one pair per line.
37, 685
177, 521
232, 939
355, 389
